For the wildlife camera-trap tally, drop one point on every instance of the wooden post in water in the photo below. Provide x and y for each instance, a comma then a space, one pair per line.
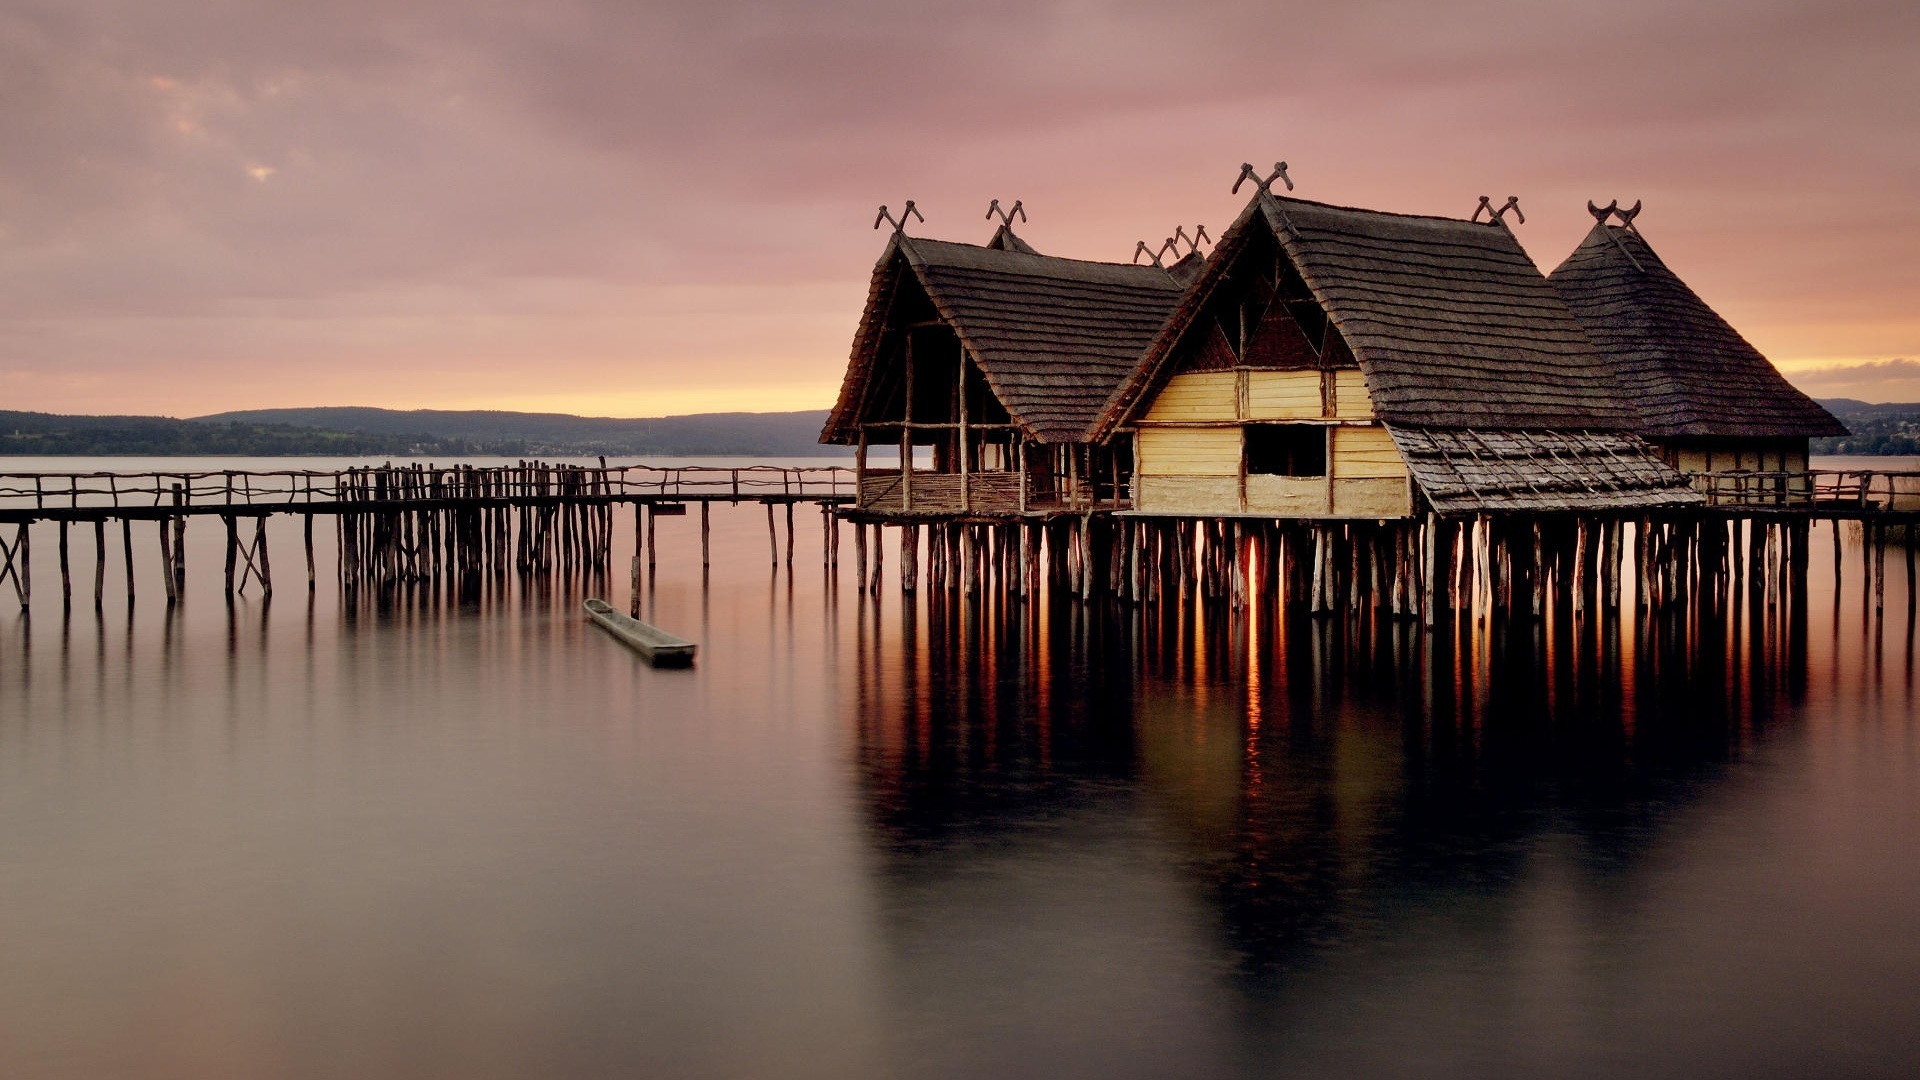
99, 562
306, 533
789, 536
233, 546
179, 545
126, 539
706, 537
909, 558
265, 570
1880, 570
652, 548
66, 578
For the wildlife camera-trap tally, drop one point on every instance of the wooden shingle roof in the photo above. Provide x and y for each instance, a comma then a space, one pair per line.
1488, 471
1051, 336
1686, 371
1452, 324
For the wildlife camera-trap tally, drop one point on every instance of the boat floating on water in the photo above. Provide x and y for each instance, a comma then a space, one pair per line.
656, 645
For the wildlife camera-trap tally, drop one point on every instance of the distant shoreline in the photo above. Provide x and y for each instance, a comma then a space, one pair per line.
365, 432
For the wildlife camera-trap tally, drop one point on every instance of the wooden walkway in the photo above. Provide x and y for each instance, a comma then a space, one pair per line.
400, 524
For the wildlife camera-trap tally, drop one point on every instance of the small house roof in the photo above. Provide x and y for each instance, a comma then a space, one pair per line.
1477, 471
1451, 323
1050, 335
1686, 370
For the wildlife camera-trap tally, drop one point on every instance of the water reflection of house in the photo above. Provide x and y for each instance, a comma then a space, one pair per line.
1703, 395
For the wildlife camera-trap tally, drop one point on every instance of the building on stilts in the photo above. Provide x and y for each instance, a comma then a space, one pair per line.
1353, 409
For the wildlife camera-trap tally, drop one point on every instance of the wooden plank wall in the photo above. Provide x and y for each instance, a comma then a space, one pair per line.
1196, 466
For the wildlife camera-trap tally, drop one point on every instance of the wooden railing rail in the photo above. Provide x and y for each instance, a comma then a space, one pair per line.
400, 483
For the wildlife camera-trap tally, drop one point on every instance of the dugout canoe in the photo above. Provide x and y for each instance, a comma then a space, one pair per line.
658, 646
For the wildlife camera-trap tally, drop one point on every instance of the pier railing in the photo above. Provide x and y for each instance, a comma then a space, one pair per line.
240, 489
1812, 489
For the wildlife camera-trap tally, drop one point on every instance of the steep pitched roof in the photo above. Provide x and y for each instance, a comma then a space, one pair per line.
1051, 336
1452, 324
1686, 370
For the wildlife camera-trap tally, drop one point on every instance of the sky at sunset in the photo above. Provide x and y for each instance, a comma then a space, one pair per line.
633, 208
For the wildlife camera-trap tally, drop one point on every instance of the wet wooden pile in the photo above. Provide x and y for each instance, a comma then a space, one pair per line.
1425, 569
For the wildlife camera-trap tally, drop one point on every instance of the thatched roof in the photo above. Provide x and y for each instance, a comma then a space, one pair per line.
1452, 324
1686, 370
1474, 471
1051, 336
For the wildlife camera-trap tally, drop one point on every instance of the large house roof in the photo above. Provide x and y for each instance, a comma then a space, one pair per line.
1686, 371
1452, 324
1050, 335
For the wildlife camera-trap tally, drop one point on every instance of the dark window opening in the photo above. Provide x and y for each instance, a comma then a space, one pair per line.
1287, 450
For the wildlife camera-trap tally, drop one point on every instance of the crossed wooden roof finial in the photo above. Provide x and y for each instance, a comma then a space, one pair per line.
1612, 209
1498, 216
1266, 185
1006, 216
899, 226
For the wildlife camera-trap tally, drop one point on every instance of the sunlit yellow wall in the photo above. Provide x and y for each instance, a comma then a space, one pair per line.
1191, 458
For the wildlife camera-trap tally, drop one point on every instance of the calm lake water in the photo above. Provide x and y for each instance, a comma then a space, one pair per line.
436, 837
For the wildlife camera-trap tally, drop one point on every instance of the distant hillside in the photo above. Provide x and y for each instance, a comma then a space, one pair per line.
789, 434
1876, 428
355, 432
81, 436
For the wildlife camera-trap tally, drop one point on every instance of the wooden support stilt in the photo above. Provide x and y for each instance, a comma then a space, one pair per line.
99, 563
1880, 570
860, 556
233, 547
789, 535
66, 575
179, 545
126, 540
773, 539
306, 533
706, 533
909, 558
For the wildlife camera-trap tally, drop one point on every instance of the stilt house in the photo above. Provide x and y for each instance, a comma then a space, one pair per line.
1706, 398
1332, 362
999, 359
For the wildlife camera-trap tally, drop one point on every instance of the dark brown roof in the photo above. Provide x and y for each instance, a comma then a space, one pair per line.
1474, 471
1052, 336
1451, 322
1685, 370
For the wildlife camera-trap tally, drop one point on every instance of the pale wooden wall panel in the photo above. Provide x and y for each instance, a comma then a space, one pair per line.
1189, 451
1350, 398
1204, 395
1283, 395
1366, 452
